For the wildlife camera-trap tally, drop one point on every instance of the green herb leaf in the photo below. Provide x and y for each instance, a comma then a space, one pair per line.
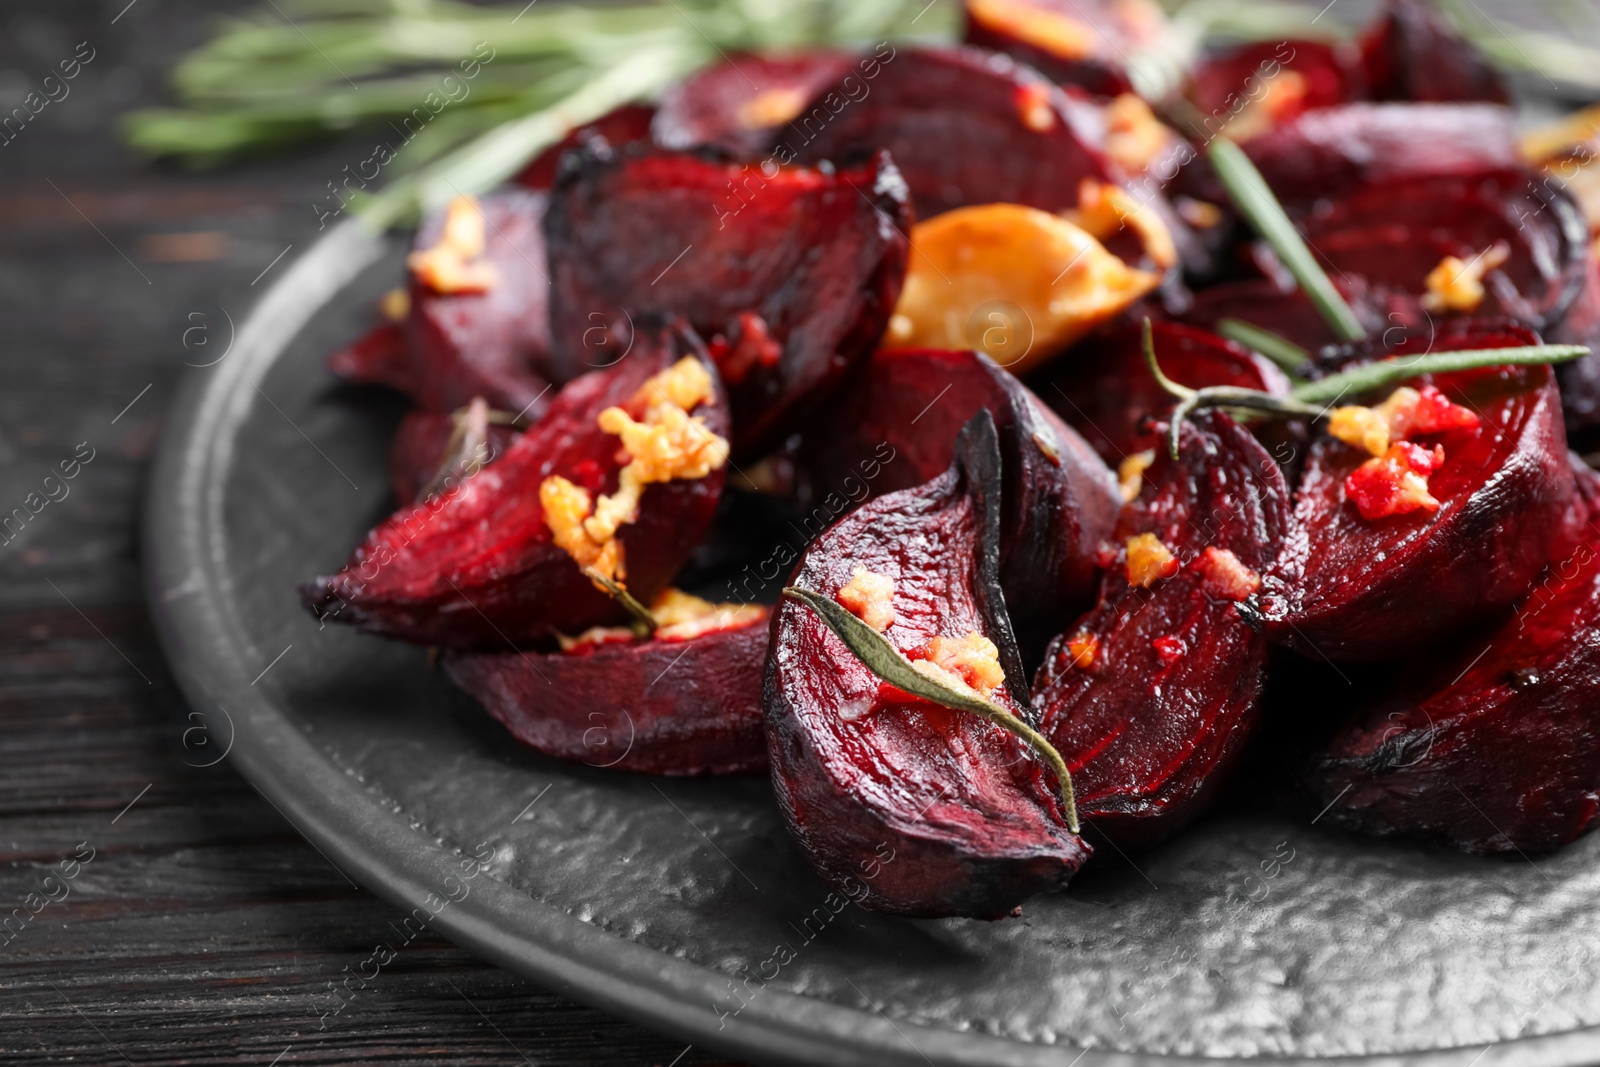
1256, 202
1384, 374
1285, 353
884, 660
644, 623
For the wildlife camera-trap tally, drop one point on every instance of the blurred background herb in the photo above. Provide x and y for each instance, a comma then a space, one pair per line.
302, 70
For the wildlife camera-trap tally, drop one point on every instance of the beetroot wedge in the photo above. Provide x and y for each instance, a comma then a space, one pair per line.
739, 104
599, 701
859, 767
1074, 42
622, 126
486, 340
1347, 586
1058, 500
1411, 53
792, 275
481, 567
1151, 696
964, 127
1106, 392
1497, 748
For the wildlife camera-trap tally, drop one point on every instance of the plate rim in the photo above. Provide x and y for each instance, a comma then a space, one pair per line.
187, 591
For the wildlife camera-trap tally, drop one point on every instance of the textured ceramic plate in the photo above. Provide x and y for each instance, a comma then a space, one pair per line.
683, 904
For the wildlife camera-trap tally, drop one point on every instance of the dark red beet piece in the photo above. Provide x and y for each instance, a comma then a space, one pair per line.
1412, 53
1107, 32
478, 568
965, 812
1059, 500
1286, 312
603, 706
964, 127
1227, 82
626, 125
1151, 696
1104, 388
1346, 587
1497, 748
1325, 152
738, 104
455, 346
418, 450
792, 284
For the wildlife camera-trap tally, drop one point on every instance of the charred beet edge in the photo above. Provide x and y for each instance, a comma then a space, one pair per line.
623, 126
1059, 500
1498, 748
964, 127
721, 106
1107, 393
1093, 55
1348, 587
603, 707
791, 275
1151, 696
478, 567
452, 347
968, 815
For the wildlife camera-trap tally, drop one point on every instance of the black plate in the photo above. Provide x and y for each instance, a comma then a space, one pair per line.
683, 905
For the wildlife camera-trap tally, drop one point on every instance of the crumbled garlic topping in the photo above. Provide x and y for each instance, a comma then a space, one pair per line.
395, 305
667, 445
681, 616
1225, 575
772, 107
1051, 31
454, 264
1103, 209
1407, 411
1130, 473
1134, 136
973, 658
1149, 560
1457, 285
870, 597
1082, 648
1395, 483
1033, 106
1282, 96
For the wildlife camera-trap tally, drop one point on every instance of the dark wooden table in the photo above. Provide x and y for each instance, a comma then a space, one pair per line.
204, 929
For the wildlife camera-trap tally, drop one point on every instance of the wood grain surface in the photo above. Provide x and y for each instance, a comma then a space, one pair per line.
203, 929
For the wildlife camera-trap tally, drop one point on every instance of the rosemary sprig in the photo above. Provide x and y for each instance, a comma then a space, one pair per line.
1285, 353
1257, 203
1312, 400
642, 621
884, 660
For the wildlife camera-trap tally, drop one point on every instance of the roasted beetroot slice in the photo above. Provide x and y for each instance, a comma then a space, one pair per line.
418, 450
1106, 392
377, 357
1227, 81
1346, 587
493, 344
1074, 42
1496, 749
738, 104
478, 567
1393, 234
964, 127
1326, 151
603, 707
965, 811
1151, 696
791, 285
1059, 500
1412, 53
626, 125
